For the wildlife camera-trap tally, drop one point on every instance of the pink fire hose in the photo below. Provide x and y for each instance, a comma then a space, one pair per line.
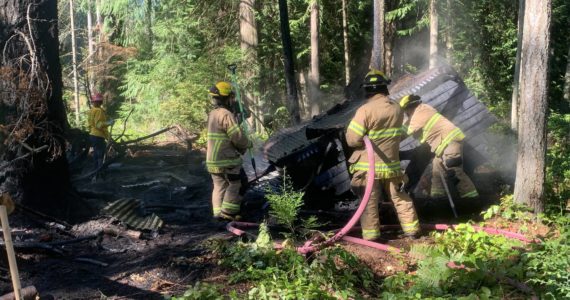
309, 247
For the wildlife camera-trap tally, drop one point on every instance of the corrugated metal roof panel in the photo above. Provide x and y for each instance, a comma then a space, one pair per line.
440, 87
129, 211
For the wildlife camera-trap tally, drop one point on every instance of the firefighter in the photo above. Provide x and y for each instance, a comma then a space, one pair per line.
226, 143
98, 129
445, 141
381, 120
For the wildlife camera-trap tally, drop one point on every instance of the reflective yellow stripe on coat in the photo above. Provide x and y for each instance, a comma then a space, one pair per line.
455, 135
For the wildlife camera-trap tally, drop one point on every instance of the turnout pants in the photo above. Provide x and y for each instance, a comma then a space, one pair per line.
451, 162
228, 192
370, 219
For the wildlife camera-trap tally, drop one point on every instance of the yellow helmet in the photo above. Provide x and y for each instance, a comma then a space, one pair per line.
409, 100
221, 88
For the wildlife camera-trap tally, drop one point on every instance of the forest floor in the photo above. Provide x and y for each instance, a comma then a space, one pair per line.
120, 263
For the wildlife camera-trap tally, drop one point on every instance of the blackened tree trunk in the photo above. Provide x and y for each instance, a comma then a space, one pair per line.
292, 97
530, 175
31, 105
567, 79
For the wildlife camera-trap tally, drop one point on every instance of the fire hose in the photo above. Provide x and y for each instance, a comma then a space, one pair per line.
309, 246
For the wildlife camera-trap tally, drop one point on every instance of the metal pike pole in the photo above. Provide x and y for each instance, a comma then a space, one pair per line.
232, 69
446, 187
10, 253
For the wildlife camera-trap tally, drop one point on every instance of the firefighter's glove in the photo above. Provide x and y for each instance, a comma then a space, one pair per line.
404, 183
451, 176
450, 173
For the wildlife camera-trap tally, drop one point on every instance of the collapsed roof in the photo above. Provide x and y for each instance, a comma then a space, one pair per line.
319, 163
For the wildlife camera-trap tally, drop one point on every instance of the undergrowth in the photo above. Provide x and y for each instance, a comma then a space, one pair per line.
462, 263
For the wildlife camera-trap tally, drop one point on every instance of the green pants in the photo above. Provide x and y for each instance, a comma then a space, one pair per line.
370, 219
464, 185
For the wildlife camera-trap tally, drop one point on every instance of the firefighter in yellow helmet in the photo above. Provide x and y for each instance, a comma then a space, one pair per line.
226, 143
445, 141
381, 120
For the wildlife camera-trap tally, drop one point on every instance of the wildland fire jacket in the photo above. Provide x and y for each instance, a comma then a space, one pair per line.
97, 120
380, 119
226, 141
431, 127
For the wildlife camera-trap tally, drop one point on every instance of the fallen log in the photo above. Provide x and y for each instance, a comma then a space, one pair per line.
51, 246
91, 261
146, 137
28, 293
116, 231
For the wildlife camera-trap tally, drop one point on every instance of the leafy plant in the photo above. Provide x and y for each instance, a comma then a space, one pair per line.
508, 210
557, 163
201, 291
548, 265
284, 206
334, 273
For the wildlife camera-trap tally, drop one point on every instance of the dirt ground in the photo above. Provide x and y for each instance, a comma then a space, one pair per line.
170, 182
108, 266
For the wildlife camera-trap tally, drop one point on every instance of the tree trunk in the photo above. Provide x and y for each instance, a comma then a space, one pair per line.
567, 79
74, 62
516, 77
346, 45
31, 105
378, 36
389, 39
433, 31
149, 33
292, 97
314, 76
249, 41
90, 44
99, 28
449, 32
530, 175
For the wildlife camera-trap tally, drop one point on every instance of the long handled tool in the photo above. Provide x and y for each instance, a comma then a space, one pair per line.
232, 69
446, 187
10, 251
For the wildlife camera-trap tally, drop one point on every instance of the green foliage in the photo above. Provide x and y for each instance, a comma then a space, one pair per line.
284, 206
560, 30
557, 163
202, 291
484, 49
508, 210
170, 84
548, 264
484, 259
333, 274
402, 13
